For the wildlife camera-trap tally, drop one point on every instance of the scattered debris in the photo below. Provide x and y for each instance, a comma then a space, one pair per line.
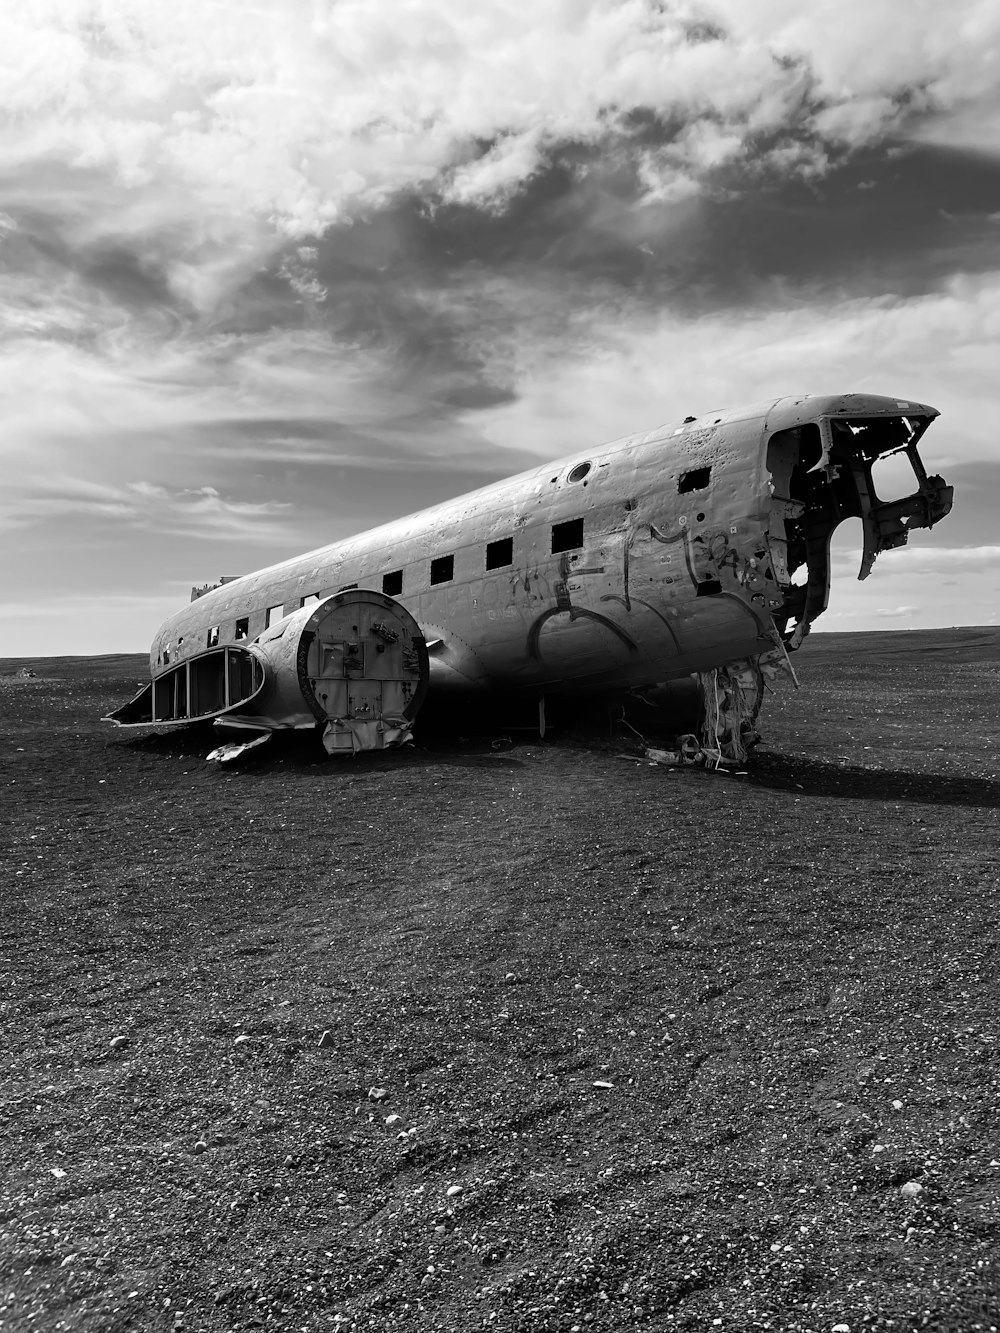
378, 1094
225, 754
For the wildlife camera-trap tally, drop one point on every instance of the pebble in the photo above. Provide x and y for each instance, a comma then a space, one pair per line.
392, 1119
911, 1189
241, 1039
601, 1083
378, 1094
201, 1146
897, 1105
326, 1037
452, 1190
118, 1041
841, 1328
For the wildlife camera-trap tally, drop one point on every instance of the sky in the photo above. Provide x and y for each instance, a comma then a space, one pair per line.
274, 273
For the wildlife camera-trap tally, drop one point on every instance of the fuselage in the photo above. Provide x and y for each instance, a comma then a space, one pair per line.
638, 561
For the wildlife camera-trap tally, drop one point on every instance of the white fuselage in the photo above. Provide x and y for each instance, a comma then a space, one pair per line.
639, 561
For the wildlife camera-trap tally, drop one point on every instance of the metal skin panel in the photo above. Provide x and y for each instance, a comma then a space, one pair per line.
668, 581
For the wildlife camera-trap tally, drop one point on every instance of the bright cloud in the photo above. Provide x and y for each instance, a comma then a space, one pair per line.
305, 111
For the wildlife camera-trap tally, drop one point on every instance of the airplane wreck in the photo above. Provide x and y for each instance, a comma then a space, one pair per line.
698, 550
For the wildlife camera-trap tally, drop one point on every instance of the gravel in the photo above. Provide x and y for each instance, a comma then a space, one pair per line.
507, 1034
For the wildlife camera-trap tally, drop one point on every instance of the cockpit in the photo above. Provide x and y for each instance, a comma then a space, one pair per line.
831, 468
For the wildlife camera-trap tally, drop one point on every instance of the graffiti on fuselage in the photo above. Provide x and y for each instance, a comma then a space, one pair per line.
709, 558
564, 606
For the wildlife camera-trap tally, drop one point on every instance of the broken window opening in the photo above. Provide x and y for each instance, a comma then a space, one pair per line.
242, 628
213, 636
392, 583
310, 597
273, 614
893, 477
443, 569
709, 588
500, 553
567, 536
694, 480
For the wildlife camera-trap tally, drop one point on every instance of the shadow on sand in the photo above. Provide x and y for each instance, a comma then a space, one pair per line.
813, 777
304, 751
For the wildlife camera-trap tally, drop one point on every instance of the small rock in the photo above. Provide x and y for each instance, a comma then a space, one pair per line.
392, 1119
841, 1328
57, 1171
241, 1039
452, 1190
115, 1042
911, 1189
201, 1146
511, 976
326, 1038
897, 1105
378, 1094
602, 1083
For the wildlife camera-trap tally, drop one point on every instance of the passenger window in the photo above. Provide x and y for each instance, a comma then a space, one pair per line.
392, 584
567, 536
213, 636
695, 480
500, 553
273, 614
242, 628
443, 569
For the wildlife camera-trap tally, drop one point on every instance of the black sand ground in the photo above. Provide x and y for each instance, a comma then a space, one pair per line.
608, 1046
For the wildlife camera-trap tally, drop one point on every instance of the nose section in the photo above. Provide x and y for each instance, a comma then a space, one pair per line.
821, 474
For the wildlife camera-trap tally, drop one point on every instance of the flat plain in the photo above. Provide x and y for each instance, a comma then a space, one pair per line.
507, 1034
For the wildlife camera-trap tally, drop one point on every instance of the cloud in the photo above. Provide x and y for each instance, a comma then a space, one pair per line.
933, 559
649, 368
189, 513
305, 113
